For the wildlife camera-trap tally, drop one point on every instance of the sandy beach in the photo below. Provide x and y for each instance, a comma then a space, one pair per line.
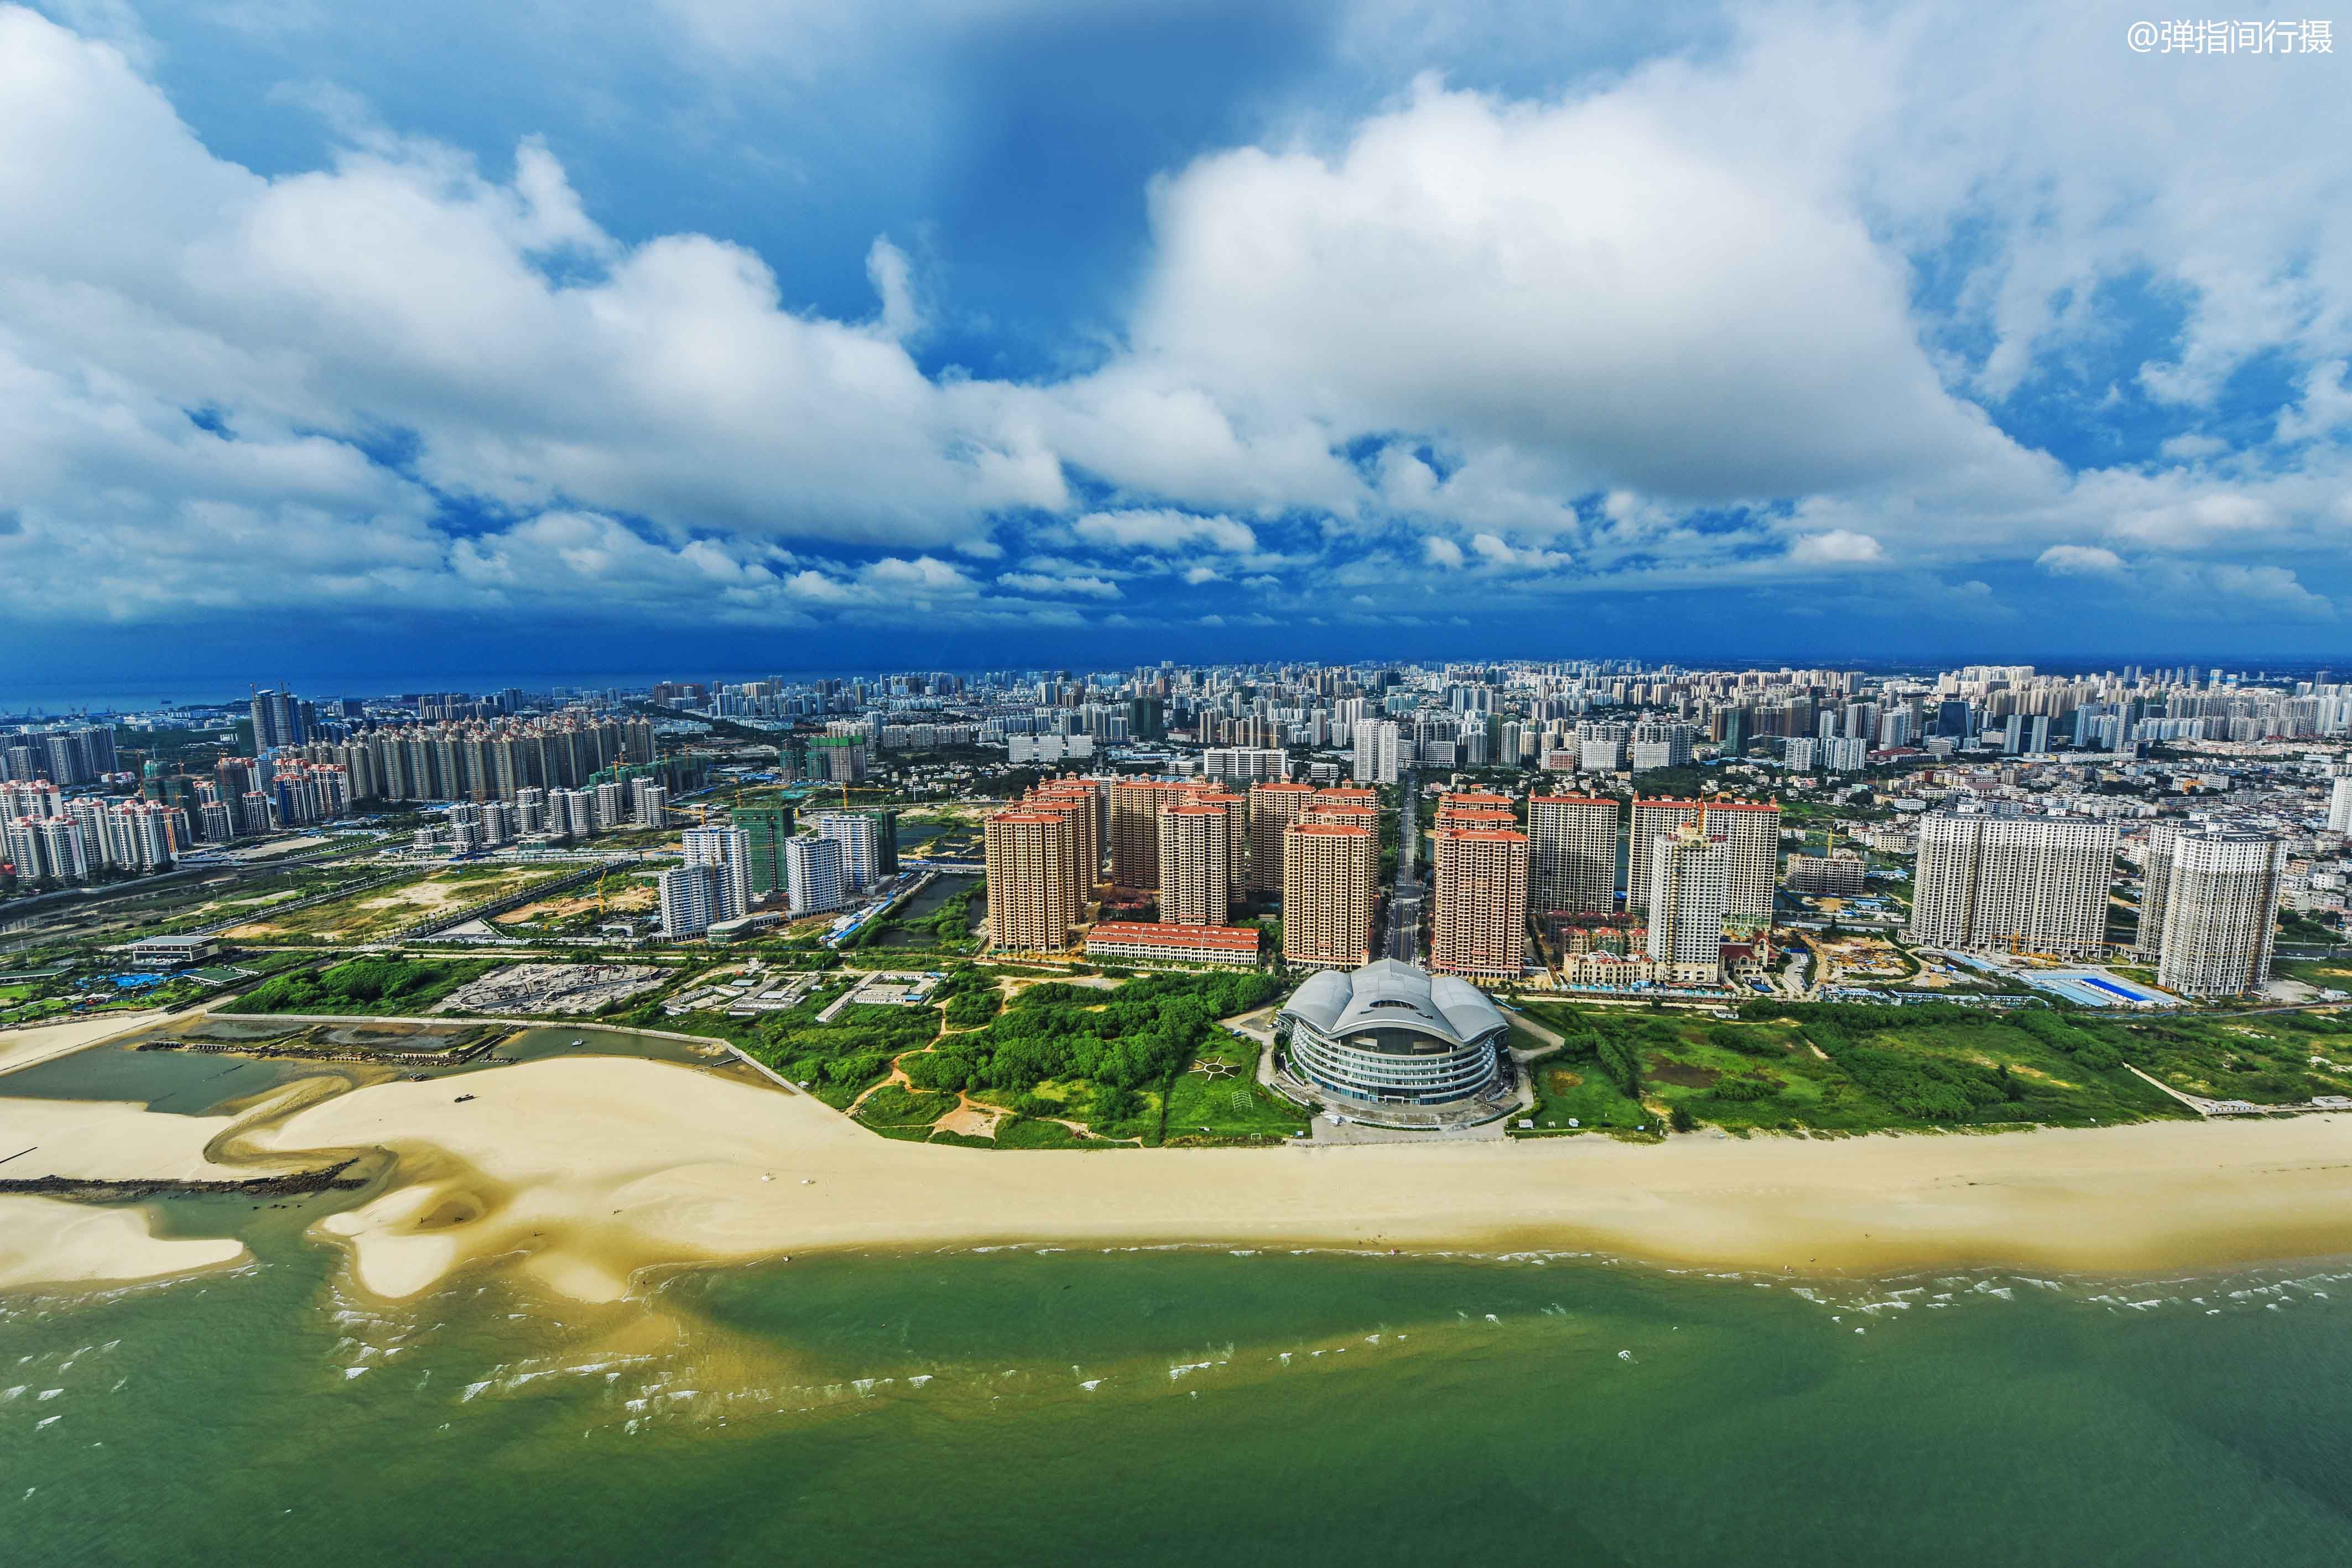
50, 1242
583, 1171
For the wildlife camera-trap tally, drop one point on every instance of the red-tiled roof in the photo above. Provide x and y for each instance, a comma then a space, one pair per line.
1150, 934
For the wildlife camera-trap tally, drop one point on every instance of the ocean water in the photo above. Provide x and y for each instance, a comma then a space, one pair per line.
1179, 1406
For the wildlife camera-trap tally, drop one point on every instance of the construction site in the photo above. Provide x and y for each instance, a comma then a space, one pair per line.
567, 990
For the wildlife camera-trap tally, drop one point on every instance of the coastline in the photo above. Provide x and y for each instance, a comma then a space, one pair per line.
585, 1170
47, 1041
579, 1172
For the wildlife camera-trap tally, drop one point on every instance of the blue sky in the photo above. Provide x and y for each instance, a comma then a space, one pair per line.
725, 334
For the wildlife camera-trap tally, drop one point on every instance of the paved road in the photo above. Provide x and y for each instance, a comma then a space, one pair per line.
1401, 938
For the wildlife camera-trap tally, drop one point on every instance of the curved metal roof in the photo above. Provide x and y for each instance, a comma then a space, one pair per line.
1387, 994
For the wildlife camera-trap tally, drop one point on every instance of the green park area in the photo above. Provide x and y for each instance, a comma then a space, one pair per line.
1135, 1062
1839, 1069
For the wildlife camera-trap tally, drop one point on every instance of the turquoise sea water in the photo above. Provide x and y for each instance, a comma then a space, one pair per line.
1182, 1406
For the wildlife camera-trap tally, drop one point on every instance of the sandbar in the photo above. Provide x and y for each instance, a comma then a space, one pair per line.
51, 1241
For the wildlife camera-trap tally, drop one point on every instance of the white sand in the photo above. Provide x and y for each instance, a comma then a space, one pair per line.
48, 1241
587, 1169
110, 1140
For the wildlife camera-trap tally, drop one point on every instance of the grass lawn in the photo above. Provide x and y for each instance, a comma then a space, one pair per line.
1578, 1092
1225, 1110
2328, 974
1858, 1068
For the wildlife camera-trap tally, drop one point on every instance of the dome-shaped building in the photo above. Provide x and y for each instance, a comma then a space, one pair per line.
1392, 1031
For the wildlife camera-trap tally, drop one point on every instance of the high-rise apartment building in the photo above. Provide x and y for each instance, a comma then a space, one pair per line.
1330, 872
1274, 806
612, 805
1750, 831
1689, 895
729, 850
277, 721
1479, 916
1135, 808
1196, 844
1377, 758
766, 826
1661, 743
861, 847
1244, 762
1074, 800
1601, 745
1357, 807
2220, 911
2155, 886
812, 879
689, 899
2036, 883
1029, 904
1572, 855
2339, 807
573, 813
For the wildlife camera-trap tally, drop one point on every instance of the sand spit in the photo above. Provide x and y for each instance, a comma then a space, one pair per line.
50, 1242
584, 1170
110, 1140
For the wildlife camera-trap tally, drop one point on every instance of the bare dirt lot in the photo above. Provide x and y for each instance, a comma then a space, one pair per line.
386, 911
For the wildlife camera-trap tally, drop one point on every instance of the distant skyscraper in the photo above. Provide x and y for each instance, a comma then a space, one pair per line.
1661, 743
275, 721
1377, 752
